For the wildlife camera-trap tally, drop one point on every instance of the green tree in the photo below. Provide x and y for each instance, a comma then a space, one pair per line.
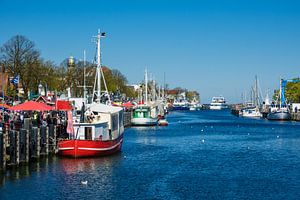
19, 55
292, 92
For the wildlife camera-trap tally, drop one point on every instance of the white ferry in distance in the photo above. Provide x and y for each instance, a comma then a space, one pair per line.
218, 103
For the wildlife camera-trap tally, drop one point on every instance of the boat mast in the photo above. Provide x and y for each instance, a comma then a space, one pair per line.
99, 71
84, 84
146, 87
256, 92
280, 97
98, 67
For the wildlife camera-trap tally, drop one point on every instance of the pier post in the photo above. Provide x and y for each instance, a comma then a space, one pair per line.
14, 147
2, 151
35, 143
24, 146
27, 124
52, 138
127, 118
44, 140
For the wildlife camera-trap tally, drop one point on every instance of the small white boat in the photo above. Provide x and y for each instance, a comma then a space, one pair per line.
251, 112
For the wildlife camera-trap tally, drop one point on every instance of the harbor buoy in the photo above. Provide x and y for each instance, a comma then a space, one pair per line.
163, 122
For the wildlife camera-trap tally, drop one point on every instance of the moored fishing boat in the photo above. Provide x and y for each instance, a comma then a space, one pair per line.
145, 114
180, 104
101, 133
98, 131
278, 112
142, 116
281, 111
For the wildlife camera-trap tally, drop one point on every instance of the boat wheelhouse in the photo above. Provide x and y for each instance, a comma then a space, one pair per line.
142, 116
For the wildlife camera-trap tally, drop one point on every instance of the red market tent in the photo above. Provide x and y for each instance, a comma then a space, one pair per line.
127, 104
31, 105
63, 105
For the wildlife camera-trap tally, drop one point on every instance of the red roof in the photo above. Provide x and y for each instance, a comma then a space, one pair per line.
174, 92
31, 105
63, 105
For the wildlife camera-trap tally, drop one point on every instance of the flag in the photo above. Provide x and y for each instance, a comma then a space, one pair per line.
103, 34
70, 129
15, 80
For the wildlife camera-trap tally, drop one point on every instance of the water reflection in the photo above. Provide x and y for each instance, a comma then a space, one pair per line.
13, 173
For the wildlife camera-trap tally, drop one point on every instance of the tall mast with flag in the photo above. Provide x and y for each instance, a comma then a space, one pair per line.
98, 71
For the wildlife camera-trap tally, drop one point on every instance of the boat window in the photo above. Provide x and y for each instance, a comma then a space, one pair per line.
114, 122
140, 114
88, 133
146, 114
121, 118
99, 133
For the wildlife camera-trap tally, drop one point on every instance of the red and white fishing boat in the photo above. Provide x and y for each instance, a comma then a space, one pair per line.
101, 134
98, 131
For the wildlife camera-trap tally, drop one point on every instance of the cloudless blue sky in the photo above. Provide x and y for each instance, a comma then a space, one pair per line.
212, 46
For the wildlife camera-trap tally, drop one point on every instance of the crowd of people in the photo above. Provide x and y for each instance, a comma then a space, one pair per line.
15, 119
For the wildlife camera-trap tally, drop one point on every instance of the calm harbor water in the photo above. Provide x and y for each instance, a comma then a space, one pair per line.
200, 155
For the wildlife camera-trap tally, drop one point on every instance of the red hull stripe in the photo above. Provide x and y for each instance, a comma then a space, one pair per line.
66, 148
101, 149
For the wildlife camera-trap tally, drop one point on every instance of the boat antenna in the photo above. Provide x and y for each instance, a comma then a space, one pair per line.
84, 83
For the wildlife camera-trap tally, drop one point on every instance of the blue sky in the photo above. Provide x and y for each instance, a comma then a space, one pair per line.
212, 46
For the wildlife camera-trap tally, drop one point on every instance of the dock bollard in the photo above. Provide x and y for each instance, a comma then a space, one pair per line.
14, 147
52, 138
2, 151
44, 140
35, 143
24, 146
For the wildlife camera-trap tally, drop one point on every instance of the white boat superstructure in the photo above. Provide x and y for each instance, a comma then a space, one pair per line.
218, 103
195, 105
251, 112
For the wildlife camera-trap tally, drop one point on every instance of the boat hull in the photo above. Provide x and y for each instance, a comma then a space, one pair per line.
174, 108
143, 122
279, 116
251, 112
218, 107
89, 148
